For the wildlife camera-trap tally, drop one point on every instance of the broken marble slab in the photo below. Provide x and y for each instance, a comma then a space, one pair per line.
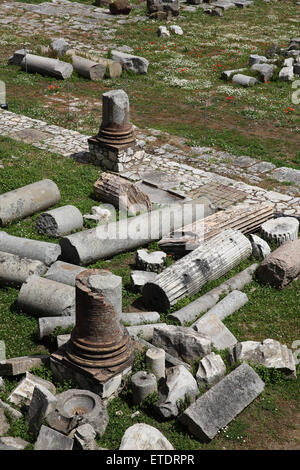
269, 353
216, 408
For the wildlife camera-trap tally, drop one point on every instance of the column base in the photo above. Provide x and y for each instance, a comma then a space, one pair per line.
114, 158
103, 382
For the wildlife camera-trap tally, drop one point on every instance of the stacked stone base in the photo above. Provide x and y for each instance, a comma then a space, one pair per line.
114, 158
103, 382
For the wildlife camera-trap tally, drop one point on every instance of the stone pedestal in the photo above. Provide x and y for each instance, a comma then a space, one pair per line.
115, 144
100, 350
113, 158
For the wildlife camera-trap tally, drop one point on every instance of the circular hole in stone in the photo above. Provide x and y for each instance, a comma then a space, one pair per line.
79, 405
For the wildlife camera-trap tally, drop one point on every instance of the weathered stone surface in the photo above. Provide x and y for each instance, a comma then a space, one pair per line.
163, 32
4, 423
98, 213
246, 218
140, 278
141, 436
257, 59
62, 339
76, 407
227, 74
123, 194
289, 175
88, 68
171, 361
222, 403
84, 436
207, 301
63, 272
60, 221
186, 276
269, 353
15, 414
162, 9
27, 200
232, 302
143, 384
21, 365
15, 443
260, 248
24, 390
176, 29
281, 266
286, 74
137, 64
213, 327
42, 403
60, 46
244, 80
14, 270
281, 230
2, 351
2, 384
182, 342
153, 261
48, 324
178, 386
88, 246
156, 360
211, 370
265, 71
43, 297
18, 56
140, 318
145, 331
45, 66
49, 439
110, 286
45, 252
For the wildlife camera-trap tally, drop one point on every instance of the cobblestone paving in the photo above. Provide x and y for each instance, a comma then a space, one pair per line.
189, 167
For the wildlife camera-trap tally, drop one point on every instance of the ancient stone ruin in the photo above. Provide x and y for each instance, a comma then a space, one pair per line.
115, 143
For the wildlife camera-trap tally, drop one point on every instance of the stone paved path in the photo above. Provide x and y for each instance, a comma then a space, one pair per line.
185, 168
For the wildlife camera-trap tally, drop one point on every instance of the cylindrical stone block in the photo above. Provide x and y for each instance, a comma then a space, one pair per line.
48, 324
105, 241
15, 270
27, 200
110, 286
60, 221
244, 80
115, 128
98, 339
156, 360
44, 298
140, 318
143, 384
63, 272
45, 252
45, 66
232, 302
88, 69
115, 111
281, 230
208, 262
191, 311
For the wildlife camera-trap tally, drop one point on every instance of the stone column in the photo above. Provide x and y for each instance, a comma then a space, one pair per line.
114, 144
98, 339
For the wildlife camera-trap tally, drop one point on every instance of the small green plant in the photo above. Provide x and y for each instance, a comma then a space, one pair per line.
184, 403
